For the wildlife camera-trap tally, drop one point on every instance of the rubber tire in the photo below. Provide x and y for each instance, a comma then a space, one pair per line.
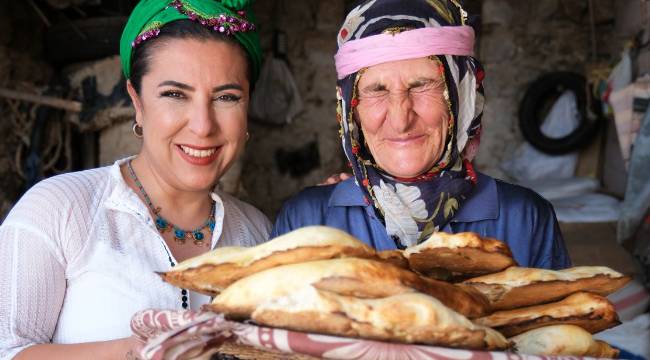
64, 45
539, 93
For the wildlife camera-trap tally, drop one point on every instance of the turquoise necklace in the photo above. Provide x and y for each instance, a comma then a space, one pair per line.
163, 225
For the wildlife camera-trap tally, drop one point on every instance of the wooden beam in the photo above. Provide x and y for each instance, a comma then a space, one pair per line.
63, 104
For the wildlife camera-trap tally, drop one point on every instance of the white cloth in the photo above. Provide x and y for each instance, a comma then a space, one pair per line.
628, 120
78, 254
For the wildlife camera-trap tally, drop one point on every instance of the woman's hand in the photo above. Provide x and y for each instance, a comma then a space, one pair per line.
134, 345
335, 179
120, 349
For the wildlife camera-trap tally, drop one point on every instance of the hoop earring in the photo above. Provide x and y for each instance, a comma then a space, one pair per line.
137, 130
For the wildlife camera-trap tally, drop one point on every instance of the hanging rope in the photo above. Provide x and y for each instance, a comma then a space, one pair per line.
55, 149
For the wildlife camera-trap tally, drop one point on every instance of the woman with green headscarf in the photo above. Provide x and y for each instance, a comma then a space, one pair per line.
79, 251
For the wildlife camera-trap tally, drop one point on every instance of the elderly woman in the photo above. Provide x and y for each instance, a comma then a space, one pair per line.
79, 250
409, 104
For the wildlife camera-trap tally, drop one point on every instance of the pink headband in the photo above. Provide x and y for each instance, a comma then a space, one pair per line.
355, 55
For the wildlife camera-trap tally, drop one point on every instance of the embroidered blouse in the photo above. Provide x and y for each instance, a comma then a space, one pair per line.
78, 254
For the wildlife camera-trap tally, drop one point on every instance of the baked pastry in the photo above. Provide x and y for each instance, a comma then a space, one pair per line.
210, 273
395, 257
567, 340
517, 286
409, 317
362, 278
591, 312
461, 254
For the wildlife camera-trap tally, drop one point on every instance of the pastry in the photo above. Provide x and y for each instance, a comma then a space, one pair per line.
562, 340
212, 272
517, 286
362, 278
462, 254
591, 312
408, 317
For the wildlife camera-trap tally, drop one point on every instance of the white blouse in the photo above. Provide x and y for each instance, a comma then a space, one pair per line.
78, 254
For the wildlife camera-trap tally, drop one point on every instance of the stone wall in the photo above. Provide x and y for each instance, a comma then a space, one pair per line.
521, 40
281, 160
518, 41
115, 139
20, 49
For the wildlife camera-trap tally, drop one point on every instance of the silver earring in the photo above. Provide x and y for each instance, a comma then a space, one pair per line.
248, 136
137, 130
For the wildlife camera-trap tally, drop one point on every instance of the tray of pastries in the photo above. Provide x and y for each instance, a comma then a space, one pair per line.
319, 292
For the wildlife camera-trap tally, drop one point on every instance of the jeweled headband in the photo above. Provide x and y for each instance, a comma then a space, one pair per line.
230, 17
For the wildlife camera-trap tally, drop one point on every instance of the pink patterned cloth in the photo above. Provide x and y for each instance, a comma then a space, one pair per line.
180, 334
355, 55
185, 334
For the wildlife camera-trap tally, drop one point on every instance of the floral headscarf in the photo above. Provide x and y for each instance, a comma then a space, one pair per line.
414, 208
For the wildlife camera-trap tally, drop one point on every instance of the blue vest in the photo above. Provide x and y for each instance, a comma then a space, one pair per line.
506, 212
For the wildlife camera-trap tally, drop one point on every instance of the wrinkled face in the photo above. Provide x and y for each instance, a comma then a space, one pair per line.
403, 115
193, 111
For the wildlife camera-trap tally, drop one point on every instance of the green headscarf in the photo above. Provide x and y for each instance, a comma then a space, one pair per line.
232, 17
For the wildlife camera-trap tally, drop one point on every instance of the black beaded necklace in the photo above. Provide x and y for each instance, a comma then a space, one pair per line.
184, 295
163, 225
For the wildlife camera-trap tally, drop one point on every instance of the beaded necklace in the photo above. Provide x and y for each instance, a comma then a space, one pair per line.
163, 225
183, 291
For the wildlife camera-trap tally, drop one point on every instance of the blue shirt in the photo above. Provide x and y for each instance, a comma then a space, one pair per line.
510, 213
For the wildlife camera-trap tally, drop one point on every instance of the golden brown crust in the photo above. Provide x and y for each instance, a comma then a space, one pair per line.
519, 276
363, 278
503, 297
390, 280
562, 340
601, 349
410, 318
308, 321
591, 312
339, 325
212, 279
395, 257
462, 261
592, 324
461, 254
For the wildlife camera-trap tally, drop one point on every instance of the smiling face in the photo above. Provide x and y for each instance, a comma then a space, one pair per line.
404, 115
192, 107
